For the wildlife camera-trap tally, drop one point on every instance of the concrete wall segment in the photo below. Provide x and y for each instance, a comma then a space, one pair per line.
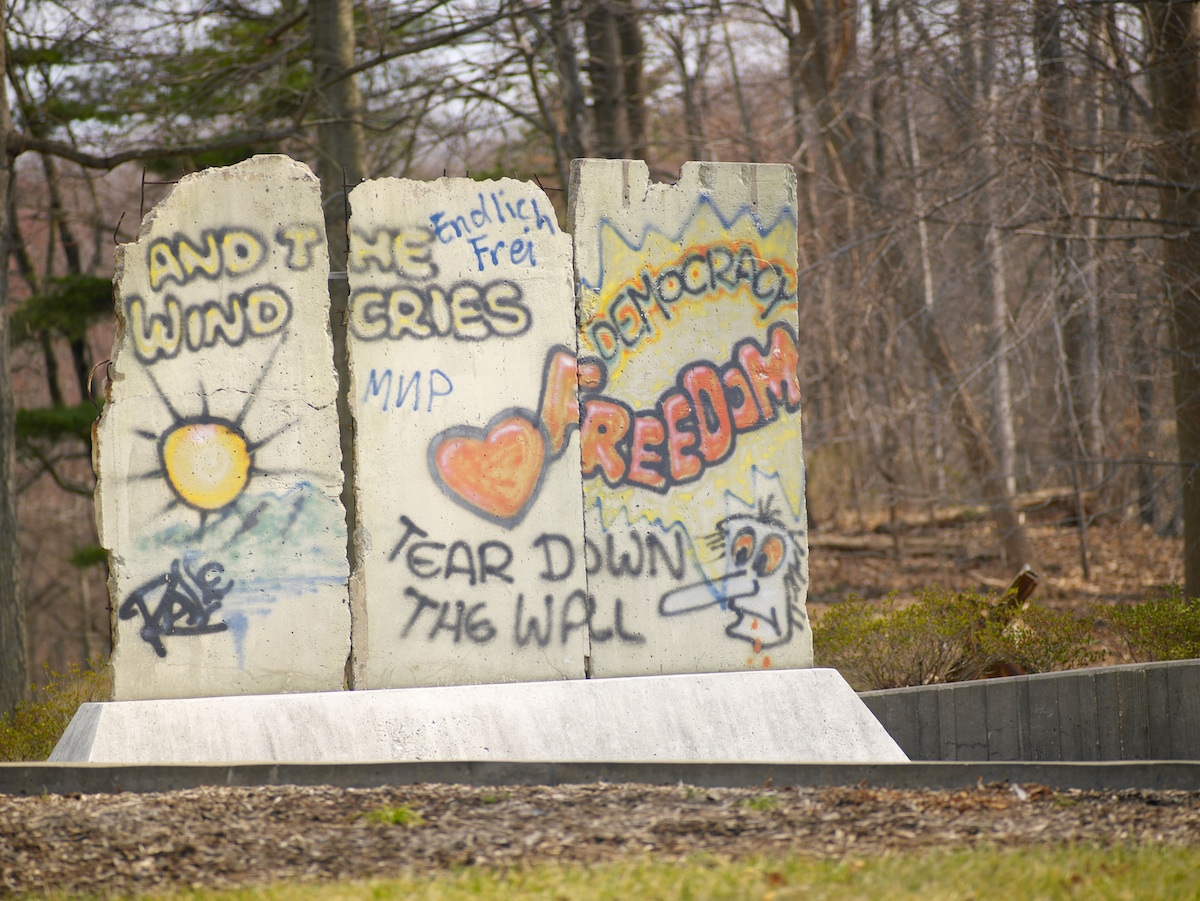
690, 437
217, 454
462, 353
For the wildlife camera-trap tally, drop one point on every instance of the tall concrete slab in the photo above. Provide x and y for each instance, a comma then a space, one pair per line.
463, 371
217, 455
695, 528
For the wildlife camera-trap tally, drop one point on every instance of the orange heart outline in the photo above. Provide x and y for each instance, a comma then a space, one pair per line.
495, 472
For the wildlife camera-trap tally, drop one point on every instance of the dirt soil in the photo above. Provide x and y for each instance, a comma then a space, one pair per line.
1126, 561
225, 837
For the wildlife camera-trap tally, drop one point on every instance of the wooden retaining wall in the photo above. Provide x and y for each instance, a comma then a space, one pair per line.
1138, 712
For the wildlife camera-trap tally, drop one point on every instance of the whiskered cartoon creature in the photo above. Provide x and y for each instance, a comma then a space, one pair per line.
763, 583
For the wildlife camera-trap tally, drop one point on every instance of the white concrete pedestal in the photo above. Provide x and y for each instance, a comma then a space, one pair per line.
784, 716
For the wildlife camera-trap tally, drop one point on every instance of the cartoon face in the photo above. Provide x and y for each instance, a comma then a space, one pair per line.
758, 558
760, 586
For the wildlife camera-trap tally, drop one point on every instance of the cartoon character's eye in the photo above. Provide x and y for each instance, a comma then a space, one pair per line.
770, 555
742, 546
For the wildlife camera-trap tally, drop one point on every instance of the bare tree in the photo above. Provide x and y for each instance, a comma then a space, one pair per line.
342, 160
615, 61
1173, 32
13, 670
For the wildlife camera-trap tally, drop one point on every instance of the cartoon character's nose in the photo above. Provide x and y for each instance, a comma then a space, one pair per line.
734, 585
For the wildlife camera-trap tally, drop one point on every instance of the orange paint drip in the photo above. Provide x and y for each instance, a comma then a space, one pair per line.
766, 663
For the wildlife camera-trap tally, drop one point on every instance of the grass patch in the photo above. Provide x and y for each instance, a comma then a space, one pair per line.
32, 730
1165, 626
1097, 874
946, 636
761, 803
397, 816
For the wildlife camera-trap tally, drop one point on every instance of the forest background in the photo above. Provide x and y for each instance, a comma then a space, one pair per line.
999, 224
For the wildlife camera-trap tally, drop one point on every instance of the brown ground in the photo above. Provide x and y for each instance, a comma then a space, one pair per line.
226, 837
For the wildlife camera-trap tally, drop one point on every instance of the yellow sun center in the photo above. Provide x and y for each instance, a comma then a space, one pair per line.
207, 463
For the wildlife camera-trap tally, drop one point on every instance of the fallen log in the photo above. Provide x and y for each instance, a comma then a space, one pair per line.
885, 545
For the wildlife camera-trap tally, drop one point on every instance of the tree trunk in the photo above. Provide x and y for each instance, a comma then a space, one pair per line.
616, 56
1000, 337
827, 46
1174, 35
567, 63
633, 94
978, 46
1142, 360
927, 286
1090, 383
340, 132
604, 73
14, 675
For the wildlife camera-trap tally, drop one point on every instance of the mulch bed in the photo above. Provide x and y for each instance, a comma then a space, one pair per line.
221, 837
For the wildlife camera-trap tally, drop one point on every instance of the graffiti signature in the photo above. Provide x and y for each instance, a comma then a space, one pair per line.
189, 599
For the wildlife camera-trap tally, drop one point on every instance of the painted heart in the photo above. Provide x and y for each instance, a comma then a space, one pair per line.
496, 473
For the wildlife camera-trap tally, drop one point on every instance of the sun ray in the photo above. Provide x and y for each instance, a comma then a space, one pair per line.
163, 396
255, 445
169, 505
307, 473
241, 417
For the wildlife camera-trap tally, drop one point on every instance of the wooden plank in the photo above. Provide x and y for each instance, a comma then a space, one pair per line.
1070, 744
904, 723
1003, 719
1183, 683
1024, 727
929, 721
1043, 719
1089, 726
1133, 710
1108, 716
970, 721
947, 724
1158, 712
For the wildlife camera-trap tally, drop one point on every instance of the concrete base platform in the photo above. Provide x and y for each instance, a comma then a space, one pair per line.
787, 716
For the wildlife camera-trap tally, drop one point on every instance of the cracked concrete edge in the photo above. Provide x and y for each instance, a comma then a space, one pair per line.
31, 779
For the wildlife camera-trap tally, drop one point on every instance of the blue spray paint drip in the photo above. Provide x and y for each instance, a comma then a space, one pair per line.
238, 623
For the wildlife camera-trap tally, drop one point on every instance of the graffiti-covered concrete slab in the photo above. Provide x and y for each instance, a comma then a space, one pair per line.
469, 518
815, 717
218, 465
690, 435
